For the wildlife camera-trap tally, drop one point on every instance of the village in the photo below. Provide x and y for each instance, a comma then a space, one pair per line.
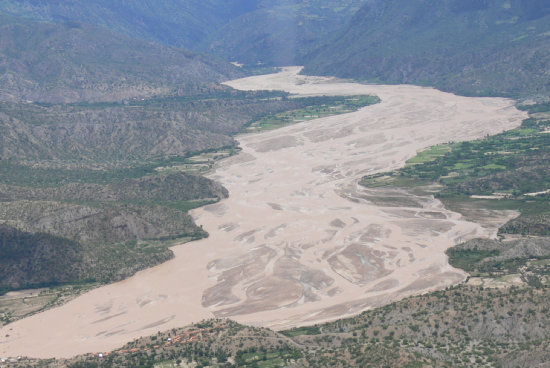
171, 340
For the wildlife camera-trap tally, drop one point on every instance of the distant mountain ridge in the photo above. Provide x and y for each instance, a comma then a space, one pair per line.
73, 62
270, 32
280, 32
181, 23
473, 47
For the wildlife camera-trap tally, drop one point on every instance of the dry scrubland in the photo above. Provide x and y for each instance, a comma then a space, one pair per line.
297, 241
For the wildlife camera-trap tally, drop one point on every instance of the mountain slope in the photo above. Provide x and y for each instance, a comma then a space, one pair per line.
274, 32
182, 23
78, 62
32, 257
488, 47
136, 130
83, 231
281, 32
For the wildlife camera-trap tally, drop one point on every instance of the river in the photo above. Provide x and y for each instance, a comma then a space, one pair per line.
297, 241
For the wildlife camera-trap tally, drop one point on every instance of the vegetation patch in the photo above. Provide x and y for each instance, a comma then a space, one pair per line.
467, 259
311, 108
525, 257
504, 171
299, 331
23, 303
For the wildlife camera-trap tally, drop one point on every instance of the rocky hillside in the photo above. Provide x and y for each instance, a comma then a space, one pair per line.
135, 130
74, 61
488, 47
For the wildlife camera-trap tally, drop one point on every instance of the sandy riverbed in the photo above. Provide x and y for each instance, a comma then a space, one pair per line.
297, 241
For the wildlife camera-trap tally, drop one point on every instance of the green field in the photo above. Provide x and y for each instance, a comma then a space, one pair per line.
507, 171
313, 108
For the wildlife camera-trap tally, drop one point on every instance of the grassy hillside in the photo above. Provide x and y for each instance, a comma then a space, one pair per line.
489, 47
73, 61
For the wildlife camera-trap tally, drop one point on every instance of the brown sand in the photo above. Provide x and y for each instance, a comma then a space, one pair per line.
297, 241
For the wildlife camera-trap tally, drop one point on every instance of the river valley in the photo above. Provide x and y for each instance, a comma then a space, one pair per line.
298, 241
